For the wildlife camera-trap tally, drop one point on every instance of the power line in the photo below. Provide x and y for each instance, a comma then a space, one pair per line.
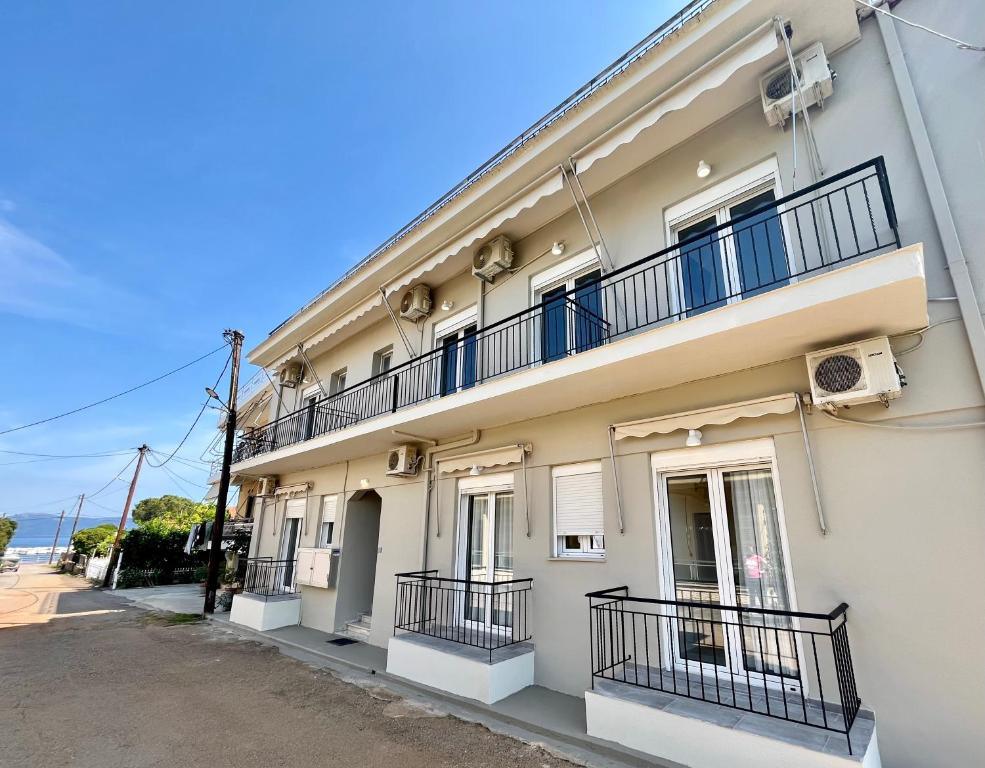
205, 405
112, 397
117, 477
70, 455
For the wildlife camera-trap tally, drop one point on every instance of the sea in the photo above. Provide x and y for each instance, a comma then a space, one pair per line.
34, 530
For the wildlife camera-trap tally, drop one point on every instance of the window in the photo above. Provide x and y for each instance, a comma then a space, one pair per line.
732, 263
382, 360
337, 382
578, 517
326, 532
309, 401
456, 338
570, 323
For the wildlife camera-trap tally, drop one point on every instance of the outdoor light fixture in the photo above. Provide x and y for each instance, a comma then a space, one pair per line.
475, 471
214, 396
364, 483
558, 248
693, 438
447, 304
704, 170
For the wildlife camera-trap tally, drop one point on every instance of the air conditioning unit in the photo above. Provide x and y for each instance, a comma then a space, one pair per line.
863, 372
778, 88
290, 375
492, 258
266, 485
416, 303
402, 461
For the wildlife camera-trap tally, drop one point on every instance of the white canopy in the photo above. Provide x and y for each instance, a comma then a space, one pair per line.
510, 454
751, 49
720, 414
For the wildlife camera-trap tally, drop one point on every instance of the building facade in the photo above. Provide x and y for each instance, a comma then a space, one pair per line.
674, 404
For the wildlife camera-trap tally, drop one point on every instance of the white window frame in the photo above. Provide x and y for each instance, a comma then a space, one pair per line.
322, 543
455, 326
336, 382
586, 544
663, 464
716, 201
564, 274
381, 355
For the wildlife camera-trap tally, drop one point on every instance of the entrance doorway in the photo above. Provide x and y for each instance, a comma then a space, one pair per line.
360, 547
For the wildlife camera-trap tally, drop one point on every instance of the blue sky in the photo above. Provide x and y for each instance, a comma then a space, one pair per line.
168, 170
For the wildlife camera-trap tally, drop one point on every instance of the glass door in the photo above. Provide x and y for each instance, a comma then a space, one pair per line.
572, 323
723, 550
288, 549
488, 558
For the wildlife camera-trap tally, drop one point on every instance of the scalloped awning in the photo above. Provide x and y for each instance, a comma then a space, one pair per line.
720, 414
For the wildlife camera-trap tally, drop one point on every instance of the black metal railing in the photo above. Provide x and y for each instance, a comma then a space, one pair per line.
489, 615
790, 665
841, 219
270, 578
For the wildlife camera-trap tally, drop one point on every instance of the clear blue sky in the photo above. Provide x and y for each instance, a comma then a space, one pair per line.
171, 169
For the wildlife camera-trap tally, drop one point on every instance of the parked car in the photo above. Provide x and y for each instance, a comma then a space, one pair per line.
9, 562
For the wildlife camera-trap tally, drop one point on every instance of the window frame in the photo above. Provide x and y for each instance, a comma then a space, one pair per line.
716, 201
336, 381
563, 274
586, 548
381, 356
455, 327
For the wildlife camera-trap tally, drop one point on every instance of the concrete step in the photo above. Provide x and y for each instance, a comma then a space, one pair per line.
360, 628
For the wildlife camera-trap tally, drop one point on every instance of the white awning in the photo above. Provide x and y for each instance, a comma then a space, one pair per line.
510, 454
754, 47
721, 414
213, 493
291, 490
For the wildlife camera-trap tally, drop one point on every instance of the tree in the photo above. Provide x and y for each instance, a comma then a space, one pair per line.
172, 513
7, 528
96, 541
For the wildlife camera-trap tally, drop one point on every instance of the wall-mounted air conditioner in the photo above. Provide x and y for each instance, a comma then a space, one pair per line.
402, 461
416, 303
778, 88
863, 372
492, 258
290, 375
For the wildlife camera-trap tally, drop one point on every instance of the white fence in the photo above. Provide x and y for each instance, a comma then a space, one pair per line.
96, 568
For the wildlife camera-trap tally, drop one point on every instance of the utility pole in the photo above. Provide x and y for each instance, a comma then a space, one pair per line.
58, 530
235, 338
75, 525
114, 555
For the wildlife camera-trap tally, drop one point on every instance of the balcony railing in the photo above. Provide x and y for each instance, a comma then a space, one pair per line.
789, 665
841, 219
488, 615
268, 578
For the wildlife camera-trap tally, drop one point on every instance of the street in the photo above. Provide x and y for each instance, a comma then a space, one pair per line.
88, 680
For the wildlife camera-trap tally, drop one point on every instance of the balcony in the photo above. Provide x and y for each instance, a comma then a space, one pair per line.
466, 637
269, 599
780, 296
776, 674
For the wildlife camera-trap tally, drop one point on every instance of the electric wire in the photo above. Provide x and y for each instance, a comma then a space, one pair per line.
122, 452
959, 43
201, 411
111, 397
114, 479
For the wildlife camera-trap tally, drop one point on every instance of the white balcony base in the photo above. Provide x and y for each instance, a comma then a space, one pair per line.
459, 669
704, 735
262, 615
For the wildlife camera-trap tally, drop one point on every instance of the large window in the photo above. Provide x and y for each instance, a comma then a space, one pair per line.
715, 267
570, 323
455, 340
578, 514
382, 360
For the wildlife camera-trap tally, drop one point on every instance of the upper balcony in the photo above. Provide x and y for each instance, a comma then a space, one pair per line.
818, 266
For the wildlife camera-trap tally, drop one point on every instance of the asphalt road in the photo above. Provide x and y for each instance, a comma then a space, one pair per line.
86, 681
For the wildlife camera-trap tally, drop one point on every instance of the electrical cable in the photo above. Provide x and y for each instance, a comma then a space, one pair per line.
124, 452
197, 418
111, 397
904, 427
959, 43
117, 477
